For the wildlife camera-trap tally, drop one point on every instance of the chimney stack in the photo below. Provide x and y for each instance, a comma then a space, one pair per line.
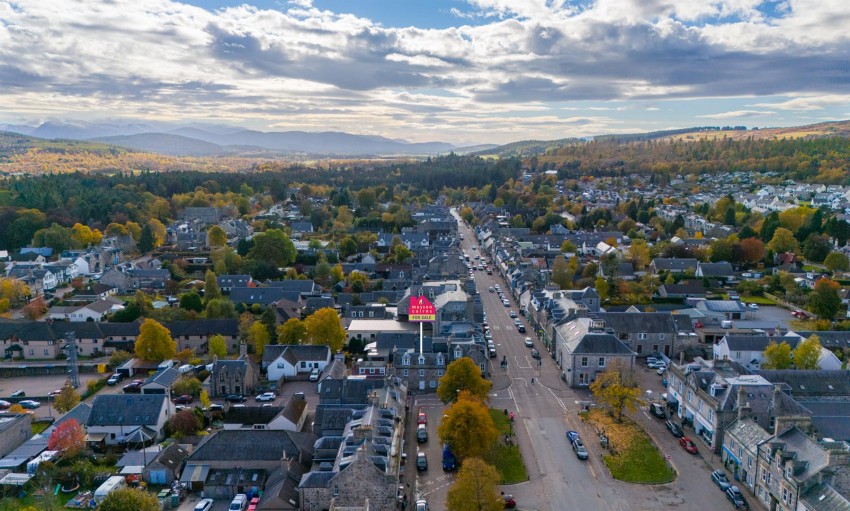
744, 408
243, 350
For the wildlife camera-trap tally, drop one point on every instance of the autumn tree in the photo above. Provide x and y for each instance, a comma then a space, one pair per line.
13, 290
68, 437
258, 337
836, 261
825, 300
324, 327
561, 274
188, 385
219, 308
211, 289
639, 254
751, 250
154, 343
35, 309
218, 346
216, 237
293, 331
777, 356
468, 427
475, 488
129, 499
83, 236
205, 399
273, 246
807, 353
67, 399
184, 423
602, 288
616, 388
463, 375
783, 241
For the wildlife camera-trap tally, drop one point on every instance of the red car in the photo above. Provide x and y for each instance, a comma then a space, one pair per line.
510, 502
688, 445
423, 419
185, 399
698, 324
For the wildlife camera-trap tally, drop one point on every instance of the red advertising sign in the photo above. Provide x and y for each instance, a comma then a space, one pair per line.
421, 310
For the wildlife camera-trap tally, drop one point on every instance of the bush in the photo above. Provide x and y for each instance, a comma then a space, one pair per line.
93, 386
119, 357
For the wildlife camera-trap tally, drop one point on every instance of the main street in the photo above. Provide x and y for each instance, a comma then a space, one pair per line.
546, 409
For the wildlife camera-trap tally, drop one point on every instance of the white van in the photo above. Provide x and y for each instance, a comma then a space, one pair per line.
111, 484
314, 374
239, 503
726, 324
185, 368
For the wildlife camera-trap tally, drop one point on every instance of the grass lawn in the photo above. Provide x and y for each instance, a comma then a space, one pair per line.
58, 501
761, 300
632, 456
38, 427
506, 458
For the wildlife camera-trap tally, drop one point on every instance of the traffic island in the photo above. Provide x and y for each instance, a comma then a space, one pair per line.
505, 454
630, 456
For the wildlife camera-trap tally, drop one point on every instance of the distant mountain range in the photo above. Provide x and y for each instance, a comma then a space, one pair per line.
218, 140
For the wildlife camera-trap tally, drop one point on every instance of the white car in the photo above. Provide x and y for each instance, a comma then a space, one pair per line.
266, 396
753, 306
528, 342
204, 505
314, 374
661, 371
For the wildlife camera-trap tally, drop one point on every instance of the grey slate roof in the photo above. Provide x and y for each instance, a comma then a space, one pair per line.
748, 432
261, 445
166, 377
822, 497
607, 344
721, 269
757, 342
633, 322
126, 409
260, 295
811, 383
723, 305
297, 352
251, 414
679, 264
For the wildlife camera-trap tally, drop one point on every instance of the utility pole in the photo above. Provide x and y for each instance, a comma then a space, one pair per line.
73, 368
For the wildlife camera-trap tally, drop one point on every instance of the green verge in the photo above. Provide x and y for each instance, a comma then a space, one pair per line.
506, 458
761, 300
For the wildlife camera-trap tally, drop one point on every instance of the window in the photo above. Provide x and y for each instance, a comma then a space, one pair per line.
303, 364
422, 360
422, 373
601, 361
788, 472
699, 406
371, 314
690, 395
32, 352
360, 314
353, 314
439, 372
784, 494
740, 452
737, 354
336, 491
405, 360
655, 348
584, 361
221, 376
440, 360
45, 351
660, 337
680, 387
710, 414
642, 336
750, 463
763, 475
404, 373
433, 384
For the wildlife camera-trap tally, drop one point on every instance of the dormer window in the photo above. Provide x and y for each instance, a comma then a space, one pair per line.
440, 359
421, 359
458, 352
405, 360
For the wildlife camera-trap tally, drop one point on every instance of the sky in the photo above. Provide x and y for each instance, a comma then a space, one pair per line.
458, 71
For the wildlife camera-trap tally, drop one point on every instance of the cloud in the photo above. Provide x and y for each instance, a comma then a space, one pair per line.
302, 64
737, 114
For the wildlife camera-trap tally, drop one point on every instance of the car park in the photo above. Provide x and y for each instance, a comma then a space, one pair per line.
114, 379
688, 445
720, 479
421, 433
421, 461
29, 404
185, 399
736, 498
528, 342
674, 428
235, 398
266, 396
204, 505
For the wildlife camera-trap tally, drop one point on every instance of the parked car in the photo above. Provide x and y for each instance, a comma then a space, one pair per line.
720, 479
180, 408
421, 461
506, 303
510, 502
134, 387
520, 329
688, 445
204, 505
4, 405
528, 342
114, 379
422, 418
421, 433
19, 394
314, 374
421, 505
54, 393
235, 398
736, 498
215, 407
535, 354
657, 409
661, 371
490, 289
266, 396
753, 306
29, 404
252, 506
572, 436
512, 314
579, 449
185, 399
674, 428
